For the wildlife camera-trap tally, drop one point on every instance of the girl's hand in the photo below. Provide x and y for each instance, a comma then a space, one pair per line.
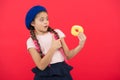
56, 44
82, 39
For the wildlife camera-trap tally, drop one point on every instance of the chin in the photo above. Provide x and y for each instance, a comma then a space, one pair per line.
45, 30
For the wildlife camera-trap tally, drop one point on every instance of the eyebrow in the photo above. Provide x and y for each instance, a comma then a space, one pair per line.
44, 17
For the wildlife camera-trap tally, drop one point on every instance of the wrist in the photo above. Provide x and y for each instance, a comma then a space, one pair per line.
81, 45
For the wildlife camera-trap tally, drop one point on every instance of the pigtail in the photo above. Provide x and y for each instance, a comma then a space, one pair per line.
35, 40
33, 36
52, 30
57, 37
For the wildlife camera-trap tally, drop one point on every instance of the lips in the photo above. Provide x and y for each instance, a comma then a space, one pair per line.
45, 26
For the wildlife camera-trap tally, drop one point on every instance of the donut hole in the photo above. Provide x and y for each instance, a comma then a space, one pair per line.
76, 30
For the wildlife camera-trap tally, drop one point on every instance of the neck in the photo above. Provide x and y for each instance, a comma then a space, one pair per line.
40, 32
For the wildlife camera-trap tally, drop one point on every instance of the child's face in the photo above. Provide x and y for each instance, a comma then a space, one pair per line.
41, 22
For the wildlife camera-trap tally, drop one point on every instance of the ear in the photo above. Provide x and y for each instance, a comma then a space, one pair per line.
32, 23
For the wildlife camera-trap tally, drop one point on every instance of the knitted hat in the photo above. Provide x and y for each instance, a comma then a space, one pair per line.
32, 13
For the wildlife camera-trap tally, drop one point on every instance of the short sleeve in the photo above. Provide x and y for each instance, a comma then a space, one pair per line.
30, 43
60, 33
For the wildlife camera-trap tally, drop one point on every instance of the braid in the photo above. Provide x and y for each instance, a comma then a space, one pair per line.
33, 36
57, 37
32, 33
52, 30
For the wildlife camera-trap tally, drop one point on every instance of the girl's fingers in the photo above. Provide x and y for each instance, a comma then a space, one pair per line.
53, 37
81, 36
59, 42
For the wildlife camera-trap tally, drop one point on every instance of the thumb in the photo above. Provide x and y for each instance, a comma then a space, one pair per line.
59, 40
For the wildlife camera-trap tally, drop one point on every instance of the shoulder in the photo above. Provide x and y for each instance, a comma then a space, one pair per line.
60, 32
30, 43
29, 40
57, 29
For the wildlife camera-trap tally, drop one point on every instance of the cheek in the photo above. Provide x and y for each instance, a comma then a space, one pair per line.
48, 22
38, 23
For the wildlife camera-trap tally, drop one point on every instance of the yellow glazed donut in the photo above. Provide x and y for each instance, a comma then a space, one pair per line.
76, 29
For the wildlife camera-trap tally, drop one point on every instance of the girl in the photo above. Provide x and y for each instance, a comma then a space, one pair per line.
48, 48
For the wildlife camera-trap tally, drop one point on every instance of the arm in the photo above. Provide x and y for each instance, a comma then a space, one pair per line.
42, 63
73, 52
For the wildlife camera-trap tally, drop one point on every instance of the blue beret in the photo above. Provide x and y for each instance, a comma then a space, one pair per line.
32, 13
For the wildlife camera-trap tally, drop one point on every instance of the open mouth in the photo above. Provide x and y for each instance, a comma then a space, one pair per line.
45, 26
